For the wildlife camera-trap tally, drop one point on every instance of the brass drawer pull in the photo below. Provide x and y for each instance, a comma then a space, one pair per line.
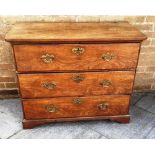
105, 83
103, 106
48, 85
77, 101
107, 56
78, 78
46, 58
51, 108
78, 50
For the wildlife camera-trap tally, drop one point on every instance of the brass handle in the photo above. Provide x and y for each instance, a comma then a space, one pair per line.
46, 58
51, 108
107, 56
48, 85
105, 83
78, 50
78, 78
103, 106
77, 101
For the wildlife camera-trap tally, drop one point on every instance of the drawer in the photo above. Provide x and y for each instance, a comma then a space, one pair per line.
76, 107
75, 84
73, 57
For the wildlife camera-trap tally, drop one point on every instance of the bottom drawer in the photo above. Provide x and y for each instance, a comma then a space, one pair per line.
76, 107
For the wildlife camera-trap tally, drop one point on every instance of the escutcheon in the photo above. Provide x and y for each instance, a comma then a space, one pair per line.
77, 101
78, 78
78, 50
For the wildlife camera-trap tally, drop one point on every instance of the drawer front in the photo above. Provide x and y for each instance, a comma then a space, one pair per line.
76, 107
75, 84
72, 57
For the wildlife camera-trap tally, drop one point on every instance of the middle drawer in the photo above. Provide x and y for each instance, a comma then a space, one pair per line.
75, 84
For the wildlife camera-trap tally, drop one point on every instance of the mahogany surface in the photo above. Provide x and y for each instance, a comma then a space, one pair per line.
28, 124
49, 32
31, 84
65, 107
75, 71
124, 57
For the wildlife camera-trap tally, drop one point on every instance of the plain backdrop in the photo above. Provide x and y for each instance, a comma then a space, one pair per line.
77, 7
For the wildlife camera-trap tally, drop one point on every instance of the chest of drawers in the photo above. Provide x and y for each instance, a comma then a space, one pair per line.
75, 71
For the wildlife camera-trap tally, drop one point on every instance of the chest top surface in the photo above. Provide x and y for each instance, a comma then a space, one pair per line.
72, 32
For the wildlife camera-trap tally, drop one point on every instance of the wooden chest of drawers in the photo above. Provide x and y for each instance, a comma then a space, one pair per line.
75, 71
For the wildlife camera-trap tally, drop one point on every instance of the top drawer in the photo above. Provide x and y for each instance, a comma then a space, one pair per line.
73, 57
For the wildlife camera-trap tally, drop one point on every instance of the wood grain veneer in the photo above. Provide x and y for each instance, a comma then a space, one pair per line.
75, 71
124, 57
